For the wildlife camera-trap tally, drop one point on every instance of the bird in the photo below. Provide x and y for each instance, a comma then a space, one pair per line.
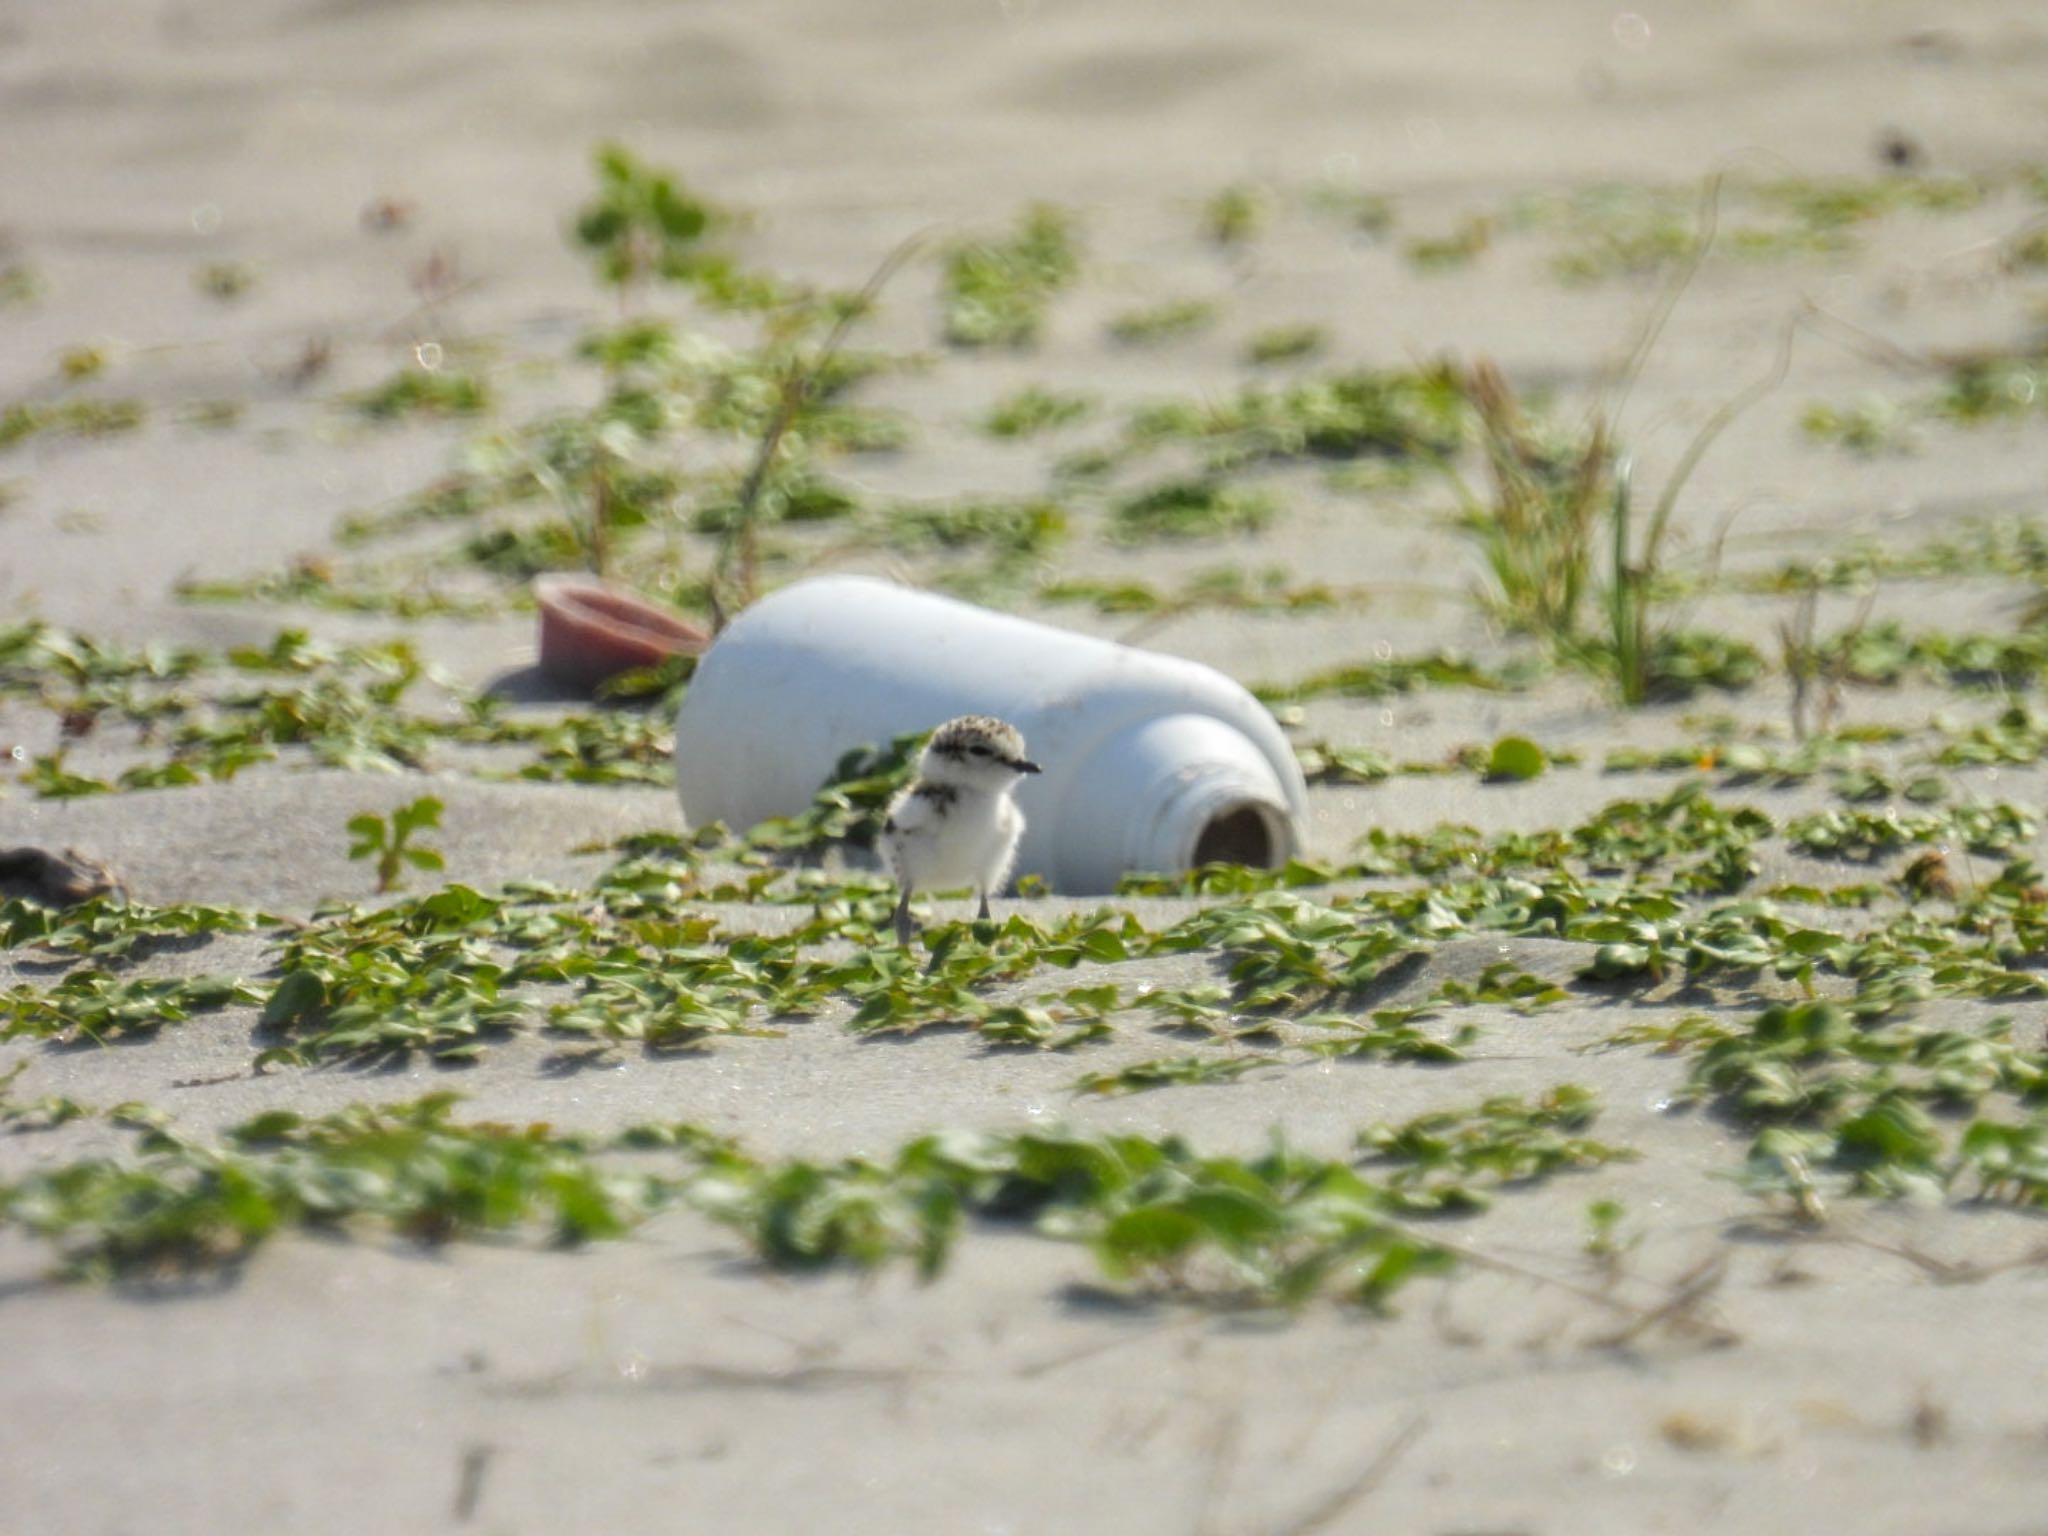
956, 823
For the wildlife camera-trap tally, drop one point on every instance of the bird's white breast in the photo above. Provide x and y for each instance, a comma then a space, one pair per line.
967, 842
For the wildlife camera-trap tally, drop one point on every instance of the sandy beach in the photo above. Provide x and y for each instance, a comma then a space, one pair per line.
227, 232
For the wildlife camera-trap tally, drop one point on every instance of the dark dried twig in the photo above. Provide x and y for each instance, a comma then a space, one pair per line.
1680, 1312
1339, 1500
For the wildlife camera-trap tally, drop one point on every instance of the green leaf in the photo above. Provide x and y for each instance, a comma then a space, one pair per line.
1403, 1261
1235, 1218
408, 819
453, 906
1516, 757
299, 993
272, 1125
1151, 1234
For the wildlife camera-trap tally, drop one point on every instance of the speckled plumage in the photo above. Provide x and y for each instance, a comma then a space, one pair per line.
956, 825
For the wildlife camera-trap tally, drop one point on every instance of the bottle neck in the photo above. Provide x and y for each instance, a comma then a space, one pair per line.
1166, 795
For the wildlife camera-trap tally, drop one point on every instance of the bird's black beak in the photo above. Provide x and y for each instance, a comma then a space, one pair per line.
1025, 765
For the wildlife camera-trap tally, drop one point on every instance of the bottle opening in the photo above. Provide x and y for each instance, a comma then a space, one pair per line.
1241, 834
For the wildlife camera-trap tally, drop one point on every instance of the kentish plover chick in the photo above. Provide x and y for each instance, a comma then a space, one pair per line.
956, 824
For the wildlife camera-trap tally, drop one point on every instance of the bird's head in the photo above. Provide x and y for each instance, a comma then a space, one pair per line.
975, 752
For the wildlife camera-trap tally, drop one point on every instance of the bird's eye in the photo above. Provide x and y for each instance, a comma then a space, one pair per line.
979, 751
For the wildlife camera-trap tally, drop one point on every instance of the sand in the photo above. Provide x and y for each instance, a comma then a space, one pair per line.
665, 1382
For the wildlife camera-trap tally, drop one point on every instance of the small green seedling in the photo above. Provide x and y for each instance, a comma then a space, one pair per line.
1028, 411
391, 843
1161, 322
1285, 344
1234, 216
1462, 245
424, 392
644, 224
997, 289
224, 280
1603, 1229
18, 285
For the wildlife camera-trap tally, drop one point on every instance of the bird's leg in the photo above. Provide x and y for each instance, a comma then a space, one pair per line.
904, 927
982, 915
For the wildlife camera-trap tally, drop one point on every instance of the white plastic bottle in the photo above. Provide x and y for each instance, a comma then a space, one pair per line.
1150, 762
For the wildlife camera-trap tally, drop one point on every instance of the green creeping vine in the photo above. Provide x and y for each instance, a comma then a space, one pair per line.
1160, 1219
1655, 891
346, 707
1869, 1105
